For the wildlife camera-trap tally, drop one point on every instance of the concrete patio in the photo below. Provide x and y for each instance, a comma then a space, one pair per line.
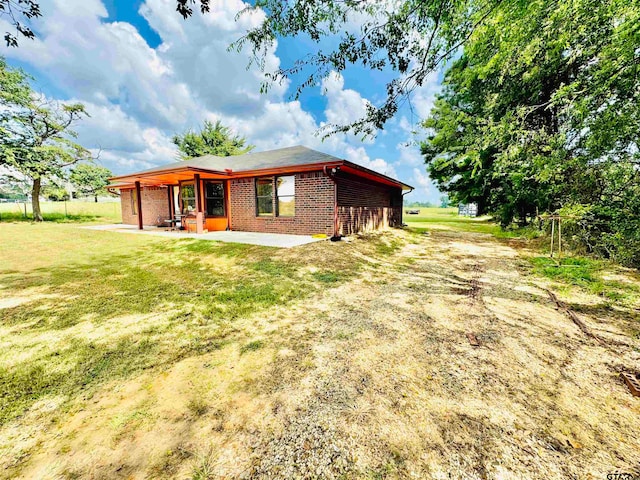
251, 238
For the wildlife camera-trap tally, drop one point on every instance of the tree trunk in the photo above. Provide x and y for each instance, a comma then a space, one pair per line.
35, 200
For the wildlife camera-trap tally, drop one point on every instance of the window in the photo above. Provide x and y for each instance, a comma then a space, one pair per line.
264, 196
134, 202
188, 194
214, 198
286, 190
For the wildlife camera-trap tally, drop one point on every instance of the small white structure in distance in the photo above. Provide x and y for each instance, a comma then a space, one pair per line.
468, 209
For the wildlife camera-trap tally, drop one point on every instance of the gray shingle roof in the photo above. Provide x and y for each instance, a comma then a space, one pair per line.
282, 157
272, 159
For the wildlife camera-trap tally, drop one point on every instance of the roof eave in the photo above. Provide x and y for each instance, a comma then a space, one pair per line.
147, 177
385, 178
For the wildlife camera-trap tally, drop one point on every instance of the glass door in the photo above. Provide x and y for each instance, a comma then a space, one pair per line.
214, 199
188, 198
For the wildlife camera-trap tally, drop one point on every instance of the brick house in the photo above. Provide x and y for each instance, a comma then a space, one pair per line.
290, 190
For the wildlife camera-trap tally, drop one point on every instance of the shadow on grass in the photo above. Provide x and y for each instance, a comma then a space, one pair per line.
586, 273
196, 300
90, 364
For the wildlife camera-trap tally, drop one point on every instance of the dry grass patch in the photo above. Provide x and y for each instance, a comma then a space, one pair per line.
349, 361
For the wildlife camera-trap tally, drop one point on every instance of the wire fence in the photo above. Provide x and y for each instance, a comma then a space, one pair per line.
77, 209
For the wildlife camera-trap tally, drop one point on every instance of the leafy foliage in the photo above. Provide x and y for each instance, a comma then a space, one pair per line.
541, 112
408, 38
90, 179
14, 11
36, 138
184, 7
55, 193
212, 139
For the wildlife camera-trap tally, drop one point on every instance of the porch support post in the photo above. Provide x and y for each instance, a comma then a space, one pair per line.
139, 199
199, 214
170, 199
196, 182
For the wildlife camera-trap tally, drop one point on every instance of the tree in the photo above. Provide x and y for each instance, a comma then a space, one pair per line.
91, 179
55, 193
212, 139
36, 138
541, 113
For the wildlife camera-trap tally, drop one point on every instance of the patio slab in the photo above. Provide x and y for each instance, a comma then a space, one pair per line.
252, 238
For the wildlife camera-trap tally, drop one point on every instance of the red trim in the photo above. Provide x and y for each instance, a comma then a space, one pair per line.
371, 175
155, 178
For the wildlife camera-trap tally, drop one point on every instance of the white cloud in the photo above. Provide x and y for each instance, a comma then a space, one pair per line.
409, 155
359, 155
139, 96
422, 181
423, 97
344, 106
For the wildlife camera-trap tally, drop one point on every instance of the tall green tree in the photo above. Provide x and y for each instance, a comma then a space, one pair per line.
36, 138
212, 139
541, 113
91, 179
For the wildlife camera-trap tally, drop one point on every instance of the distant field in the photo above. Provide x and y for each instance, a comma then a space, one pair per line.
448, 219
63, 211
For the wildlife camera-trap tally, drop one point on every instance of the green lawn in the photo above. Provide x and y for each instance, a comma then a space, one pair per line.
72, 211
157, 353
169, 299
447, 218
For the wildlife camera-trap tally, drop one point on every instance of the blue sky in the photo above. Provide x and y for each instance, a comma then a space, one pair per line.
145, 74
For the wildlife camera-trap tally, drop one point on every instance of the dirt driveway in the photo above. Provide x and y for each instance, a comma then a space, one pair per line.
376, 378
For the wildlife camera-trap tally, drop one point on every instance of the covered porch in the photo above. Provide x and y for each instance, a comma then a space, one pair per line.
195, 201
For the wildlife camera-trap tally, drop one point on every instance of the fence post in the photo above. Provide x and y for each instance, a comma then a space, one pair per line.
553, 233
559, 237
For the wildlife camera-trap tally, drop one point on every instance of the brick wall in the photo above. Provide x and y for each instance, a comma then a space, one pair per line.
155, 204
314, 196
362, 206
366, 206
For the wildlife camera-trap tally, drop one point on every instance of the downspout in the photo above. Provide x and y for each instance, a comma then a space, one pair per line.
402, 208
330, 174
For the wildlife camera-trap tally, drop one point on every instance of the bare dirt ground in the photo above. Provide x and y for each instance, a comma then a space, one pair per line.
374, 378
